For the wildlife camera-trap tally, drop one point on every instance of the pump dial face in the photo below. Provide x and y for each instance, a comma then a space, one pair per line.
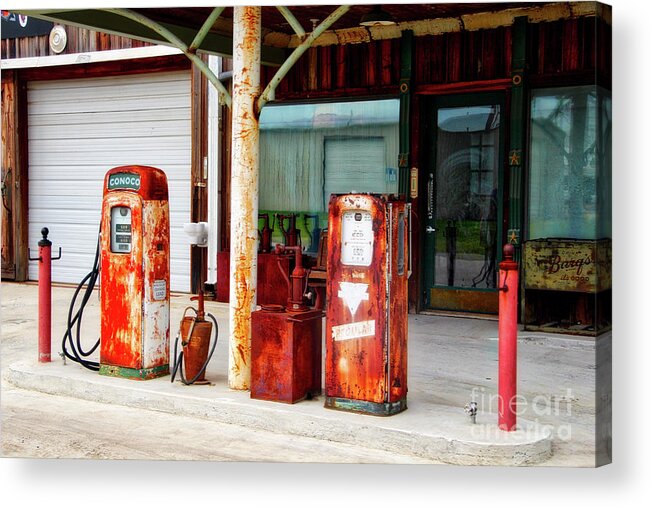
357, 238
121, 229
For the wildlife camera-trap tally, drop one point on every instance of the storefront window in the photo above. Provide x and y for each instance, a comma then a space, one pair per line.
308, 151
570, 163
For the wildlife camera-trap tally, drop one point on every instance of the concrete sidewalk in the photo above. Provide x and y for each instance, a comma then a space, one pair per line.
451, 362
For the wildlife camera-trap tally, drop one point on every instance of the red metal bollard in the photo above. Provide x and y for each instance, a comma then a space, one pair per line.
45, 296
507, 340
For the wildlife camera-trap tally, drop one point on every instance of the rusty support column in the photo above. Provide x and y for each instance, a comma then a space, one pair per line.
244, 191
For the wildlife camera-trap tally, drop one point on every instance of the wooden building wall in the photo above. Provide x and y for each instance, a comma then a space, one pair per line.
342, 71
566, 52
14, 121
572, 49
80, 40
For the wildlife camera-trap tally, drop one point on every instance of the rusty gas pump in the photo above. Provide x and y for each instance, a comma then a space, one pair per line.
265, 234
291, 235
369, 264
286, 347
194, 333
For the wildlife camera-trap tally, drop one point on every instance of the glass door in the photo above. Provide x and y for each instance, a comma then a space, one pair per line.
464, 202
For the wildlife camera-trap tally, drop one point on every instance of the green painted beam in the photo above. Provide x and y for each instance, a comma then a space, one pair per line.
518, 129
406, 58
270, 91
178, 43
108, 22
205, 28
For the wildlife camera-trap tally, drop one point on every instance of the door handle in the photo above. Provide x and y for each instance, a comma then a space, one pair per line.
430, 229
430, 196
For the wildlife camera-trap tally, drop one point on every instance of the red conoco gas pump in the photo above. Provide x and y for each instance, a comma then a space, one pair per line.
366, 318
135, 274
286, 347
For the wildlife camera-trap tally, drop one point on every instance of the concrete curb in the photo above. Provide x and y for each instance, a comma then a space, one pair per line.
438, 433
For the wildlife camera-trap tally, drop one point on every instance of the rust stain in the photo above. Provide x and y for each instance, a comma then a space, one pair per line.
243, 185
243, 353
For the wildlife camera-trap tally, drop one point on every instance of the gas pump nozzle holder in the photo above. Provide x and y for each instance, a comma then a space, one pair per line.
291, 234
297, 281
265, 233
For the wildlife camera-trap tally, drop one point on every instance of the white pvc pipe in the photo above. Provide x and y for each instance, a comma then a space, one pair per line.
214, 180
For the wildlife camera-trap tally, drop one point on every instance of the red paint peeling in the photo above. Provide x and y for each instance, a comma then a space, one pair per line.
126, 293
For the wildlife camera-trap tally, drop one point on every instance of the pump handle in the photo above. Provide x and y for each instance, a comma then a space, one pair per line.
200, 308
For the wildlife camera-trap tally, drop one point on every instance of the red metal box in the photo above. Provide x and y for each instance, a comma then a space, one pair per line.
286, 352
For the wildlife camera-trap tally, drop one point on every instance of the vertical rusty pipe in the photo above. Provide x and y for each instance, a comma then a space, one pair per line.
507, 341
244, 191
44, 298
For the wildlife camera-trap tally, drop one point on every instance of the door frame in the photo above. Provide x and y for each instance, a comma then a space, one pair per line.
430, 105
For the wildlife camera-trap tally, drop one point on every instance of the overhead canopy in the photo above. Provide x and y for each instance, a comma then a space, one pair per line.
277, 29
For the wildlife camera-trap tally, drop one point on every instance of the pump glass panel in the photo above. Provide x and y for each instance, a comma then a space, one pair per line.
121, 229
356, 238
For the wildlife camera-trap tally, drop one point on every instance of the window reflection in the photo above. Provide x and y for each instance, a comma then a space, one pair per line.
308, 151
570, 163
467, 170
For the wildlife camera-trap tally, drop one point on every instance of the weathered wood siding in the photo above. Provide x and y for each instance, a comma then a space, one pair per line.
80, 40
463, 56
9, 168
568, 49
348, 70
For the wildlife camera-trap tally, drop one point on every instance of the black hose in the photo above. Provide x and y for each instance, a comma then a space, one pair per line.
78, 354
178, 363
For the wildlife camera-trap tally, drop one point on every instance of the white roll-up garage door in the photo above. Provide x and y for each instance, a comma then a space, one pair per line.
81, 128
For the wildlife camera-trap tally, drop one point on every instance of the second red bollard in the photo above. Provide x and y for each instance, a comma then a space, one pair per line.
508, 341
45, 297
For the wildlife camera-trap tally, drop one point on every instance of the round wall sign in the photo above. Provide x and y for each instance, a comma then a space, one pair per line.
58, 39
